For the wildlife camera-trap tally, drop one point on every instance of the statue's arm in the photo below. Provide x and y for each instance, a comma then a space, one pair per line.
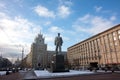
61, 41
55, 41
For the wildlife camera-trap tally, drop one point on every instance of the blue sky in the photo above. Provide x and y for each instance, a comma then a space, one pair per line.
76, 20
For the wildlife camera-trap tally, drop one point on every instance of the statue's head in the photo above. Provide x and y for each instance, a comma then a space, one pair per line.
58, 34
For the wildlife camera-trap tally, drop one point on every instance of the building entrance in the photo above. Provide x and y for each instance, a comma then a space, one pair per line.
93, 66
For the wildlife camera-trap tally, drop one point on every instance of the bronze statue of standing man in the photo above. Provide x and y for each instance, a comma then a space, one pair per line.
58, 43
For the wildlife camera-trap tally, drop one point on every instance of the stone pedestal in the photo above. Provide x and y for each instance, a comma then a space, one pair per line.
57, 63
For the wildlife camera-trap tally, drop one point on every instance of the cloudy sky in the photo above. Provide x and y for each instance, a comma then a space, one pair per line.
76, 20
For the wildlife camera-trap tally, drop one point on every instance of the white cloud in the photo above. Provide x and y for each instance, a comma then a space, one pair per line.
3, 15
65, 2
2, 5
113, 18
55, 29
84, 19
63, 11
51, 47
49, 40
93, 24
98, 8
66, 38
101, 9
47, 23
15, 31
44, 12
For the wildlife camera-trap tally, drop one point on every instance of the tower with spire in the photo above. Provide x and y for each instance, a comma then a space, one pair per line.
38, 50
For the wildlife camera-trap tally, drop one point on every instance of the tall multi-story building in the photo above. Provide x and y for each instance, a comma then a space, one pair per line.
102, 49
17, 62
38, 48
37, 55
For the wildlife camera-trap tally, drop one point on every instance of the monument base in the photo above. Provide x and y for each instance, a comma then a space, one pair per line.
57, 63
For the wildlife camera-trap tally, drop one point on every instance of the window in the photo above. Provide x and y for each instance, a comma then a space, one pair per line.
114, 33
114, 38
119, 36
115, 43
119, 32
111, 44
110, 37
105, 38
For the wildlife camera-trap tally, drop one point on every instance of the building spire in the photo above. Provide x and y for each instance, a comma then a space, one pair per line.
18, 59
40, 31
22, 53
1, 55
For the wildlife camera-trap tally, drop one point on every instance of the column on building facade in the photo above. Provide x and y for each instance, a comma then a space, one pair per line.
87, 57
94, 53
83, 53
80, 56
115, 43
118, 47
98, 50
104, 50
101, 51
92, 49
86, 53
90, 52
109, 48
95, 50
73, 57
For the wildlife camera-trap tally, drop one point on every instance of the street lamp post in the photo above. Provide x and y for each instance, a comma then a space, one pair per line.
22, 56
22, 53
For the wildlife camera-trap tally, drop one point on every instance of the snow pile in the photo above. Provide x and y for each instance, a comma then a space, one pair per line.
2, 72
46, 74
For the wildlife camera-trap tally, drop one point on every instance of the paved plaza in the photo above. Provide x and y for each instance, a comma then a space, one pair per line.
30, 75
108, 76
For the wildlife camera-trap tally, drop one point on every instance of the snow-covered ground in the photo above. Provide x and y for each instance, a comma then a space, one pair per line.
2, 72
47, 74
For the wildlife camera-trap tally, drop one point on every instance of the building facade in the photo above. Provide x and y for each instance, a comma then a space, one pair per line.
100, 50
